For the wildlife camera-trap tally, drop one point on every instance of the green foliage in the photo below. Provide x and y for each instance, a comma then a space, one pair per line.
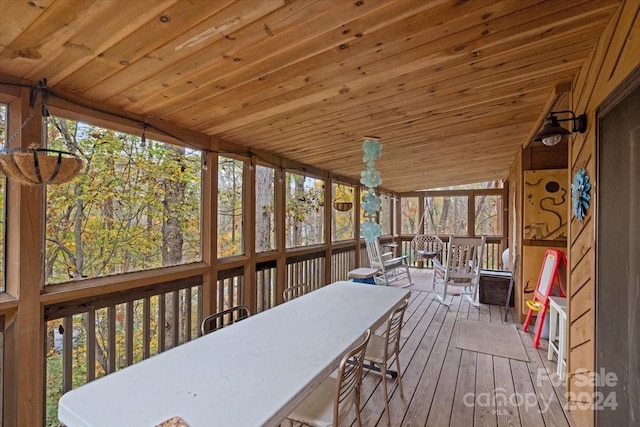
112, 218
342, 221
230, 190
265, 225
409, 218
304, 210
128, 341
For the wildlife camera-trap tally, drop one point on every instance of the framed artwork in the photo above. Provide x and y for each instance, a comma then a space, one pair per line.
546, 204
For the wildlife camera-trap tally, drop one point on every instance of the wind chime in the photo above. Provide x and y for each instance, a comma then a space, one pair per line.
370, 177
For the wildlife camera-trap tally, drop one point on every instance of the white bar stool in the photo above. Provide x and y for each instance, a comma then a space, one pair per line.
558, 333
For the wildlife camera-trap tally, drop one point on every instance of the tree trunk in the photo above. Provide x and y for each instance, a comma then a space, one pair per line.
172, 238
264, 208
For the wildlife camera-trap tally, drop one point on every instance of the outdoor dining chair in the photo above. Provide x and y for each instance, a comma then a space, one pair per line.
216, 321
331, 401
382, 347
295, 291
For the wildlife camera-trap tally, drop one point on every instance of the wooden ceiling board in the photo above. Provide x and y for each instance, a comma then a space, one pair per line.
388, 68
166, 25
285, 43
20, 15
409, 86
177, 55
453, 88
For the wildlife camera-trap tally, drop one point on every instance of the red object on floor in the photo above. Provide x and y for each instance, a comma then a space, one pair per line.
549, 277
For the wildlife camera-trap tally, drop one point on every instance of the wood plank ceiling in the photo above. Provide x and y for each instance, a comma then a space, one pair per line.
453, 88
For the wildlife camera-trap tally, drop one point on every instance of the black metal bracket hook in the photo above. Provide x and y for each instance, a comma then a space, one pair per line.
42, 89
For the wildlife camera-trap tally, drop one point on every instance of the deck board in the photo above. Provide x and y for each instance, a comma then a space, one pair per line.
442, 382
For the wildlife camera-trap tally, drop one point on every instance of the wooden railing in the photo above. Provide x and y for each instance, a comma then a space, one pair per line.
265, 285
89, 338
343, 260
230, 289
306, 268
491, 258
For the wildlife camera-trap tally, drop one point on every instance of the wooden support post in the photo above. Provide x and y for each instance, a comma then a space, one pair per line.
209, 232
281, 269
249, 235
328, 225
24, 382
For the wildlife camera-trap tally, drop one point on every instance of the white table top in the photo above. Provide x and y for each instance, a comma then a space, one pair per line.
253, 373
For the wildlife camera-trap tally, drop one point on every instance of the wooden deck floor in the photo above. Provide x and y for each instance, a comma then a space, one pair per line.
447, 386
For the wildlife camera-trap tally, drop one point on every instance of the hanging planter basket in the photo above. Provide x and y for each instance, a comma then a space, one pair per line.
38, 166
343, 206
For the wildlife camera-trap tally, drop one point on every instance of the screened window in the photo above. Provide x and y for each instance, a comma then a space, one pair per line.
488, 221
304, 210
230, 187
343, 212
265, 209
3, 140
447, 215
409, 215
136, 205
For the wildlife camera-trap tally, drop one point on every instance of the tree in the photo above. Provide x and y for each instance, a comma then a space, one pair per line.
135, 206
265, 191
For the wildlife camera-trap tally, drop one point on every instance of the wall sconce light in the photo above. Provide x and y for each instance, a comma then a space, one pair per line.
552, 133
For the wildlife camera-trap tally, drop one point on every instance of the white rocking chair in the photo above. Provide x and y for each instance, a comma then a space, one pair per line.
460, 268
390, 268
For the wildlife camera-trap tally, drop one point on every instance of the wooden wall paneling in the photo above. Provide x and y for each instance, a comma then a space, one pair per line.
581, 329
582, 243
582, 302
581, 417
614, 70
581, 274
586, 79
546, 207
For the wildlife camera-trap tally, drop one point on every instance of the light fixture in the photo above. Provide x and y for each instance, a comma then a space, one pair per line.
552, 133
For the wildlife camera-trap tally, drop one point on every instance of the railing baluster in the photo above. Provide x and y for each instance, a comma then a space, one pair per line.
162, 312
186, 309
175, 326
146, 328
129, 333
67, 353
90, 328
111, 333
